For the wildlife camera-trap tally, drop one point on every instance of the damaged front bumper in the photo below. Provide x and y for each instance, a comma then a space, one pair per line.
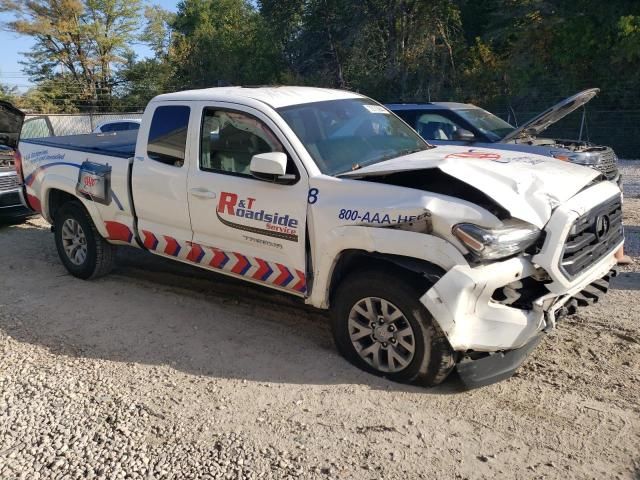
493, 339
492, 314
479, 372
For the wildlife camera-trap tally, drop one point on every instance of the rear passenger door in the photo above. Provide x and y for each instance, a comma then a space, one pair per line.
245, 226
159, 181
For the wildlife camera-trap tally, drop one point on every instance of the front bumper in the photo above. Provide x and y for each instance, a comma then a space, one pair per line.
463, 302
495, 367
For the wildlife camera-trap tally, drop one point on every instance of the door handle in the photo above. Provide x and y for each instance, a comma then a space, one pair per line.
202, 193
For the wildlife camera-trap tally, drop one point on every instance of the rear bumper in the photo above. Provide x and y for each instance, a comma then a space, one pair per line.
11, 204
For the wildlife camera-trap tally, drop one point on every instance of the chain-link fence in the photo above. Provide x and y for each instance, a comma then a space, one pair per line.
41, 125
619, 129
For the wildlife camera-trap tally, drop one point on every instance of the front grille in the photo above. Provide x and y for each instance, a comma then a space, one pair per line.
608, 164
592, 236
10, 199
8, 182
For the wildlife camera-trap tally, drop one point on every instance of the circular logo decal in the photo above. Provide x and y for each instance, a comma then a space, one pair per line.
602, 226
472, 154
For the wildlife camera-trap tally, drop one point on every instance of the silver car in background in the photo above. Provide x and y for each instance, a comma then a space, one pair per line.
449, 123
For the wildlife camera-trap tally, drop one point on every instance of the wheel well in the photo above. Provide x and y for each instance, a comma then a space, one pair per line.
420, 273
57, 198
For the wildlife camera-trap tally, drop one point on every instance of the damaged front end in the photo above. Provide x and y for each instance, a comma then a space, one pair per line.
478, 369
495, 314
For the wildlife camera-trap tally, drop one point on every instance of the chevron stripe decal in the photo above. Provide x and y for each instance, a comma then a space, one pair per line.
264, 270
301, 284
269, 273
173, 247
220, 259
285, 276
196, 253
150, 240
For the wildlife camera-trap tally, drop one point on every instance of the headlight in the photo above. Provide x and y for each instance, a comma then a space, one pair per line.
490, 243
579, 158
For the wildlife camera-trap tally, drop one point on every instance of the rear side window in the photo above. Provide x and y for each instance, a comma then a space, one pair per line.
168, 134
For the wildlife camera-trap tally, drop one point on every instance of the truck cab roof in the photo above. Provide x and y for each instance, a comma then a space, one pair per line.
274, 96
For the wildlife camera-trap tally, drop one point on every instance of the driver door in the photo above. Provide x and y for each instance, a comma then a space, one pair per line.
243, 226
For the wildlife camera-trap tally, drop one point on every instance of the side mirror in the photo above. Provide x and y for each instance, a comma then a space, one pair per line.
271, 167
463, 135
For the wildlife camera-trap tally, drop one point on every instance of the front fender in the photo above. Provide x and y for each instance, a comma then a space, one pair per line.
379, 240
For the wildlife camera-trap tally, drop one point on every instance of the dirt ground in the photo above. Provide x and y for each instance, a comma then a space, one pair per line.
164, 371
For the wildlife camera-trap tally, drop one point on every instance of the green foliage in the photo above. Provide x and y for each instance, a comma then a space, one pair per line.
7, 93
78, 43
222, 41
524, 53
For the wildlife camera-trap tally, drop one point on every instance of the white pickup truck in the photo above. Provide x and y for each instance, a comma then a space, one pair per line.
429, 258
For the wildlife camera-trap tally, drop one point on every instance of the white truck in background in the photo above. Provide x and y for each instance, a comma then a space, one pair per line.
429, 258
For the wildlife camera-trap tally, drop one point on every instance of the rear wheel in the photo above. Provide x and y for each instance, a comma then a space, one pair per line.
380, 326
83, 251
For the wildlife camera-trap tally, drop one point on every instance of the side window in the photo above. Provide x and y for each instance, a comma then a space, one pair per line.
432, 126
408, 116
37, 127
168, 134
228, 141
111, 127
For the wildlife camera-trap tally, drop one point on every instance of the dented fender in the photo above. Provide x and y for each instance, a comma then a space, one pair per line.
382, 241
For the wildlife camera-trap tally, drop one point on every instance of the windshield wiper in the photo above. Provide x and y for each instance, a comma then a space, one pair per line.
401, 153
358, 166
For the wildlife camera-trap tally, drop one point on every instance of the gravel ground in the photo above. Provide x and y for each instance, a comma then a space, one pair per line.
631, 175
162, 371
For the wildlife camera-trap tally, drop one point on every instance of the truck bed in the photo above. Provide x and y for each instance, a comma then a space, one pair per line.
114, 144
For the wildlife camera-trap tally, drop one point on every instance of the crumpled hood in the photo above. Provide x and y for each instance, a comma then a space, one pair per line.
528, 186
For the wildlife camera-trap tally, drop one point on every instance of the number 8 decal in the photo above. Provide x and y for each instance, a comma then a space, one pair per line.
313, 196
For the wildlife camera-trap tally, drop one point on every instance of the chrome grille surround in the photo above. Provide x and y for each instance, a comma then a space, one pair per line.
592, 235
608, 164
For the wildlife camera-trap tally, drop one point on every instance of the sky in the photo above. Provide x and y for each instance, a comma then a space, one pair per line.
12, 45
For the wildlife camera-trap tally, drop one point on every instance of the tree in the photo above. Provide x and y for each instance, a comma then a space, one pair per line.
222, 41
8, 93
157, 31
81, 41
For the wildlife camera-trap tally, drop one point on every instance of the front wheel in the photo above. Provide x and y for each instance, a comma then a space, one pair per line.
380, 326
83, 251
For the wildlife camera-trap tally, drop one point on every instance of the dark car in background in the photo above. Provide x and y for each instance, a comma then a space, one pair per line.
449, 123
11, 207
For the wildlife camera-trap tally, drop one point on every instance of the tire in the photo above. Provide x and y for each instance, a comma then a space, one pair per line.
98, 256
431, 358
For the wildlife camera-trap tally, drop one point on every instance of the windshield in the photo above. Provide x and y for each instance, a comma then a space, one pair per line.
493, 127
344, 135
